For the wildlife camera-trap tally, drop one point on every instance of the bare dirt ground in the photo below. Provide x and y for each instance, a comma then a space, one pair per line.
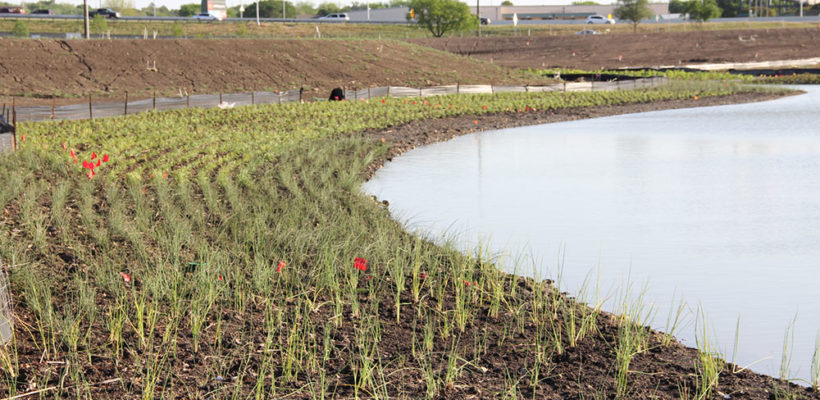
74, 69
593, 52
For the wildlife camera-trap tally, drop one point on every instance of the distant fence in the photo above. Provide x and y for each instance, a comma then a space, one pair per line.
91, 109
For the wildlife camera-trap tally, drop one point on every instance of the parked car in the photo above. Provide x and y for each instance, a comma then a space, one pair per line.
43, 12
205, 17
12, 10
336, 17
484, 20
599, 19
588, 32
105, 12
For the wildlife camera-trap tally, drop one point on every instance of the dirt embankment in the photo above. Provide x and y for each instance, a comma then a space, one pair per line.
107, 68
636, 50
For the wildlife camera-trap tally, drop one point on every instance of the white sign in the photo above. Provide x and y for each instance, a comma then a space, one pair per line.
515, 19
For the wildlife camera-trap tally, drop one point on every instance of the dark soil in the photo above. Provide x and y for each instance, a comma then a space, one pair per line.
592, 52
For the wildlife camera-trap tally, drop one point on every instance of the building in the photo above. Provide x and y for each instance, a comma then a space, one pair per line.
217, 8
505, 13
395, 14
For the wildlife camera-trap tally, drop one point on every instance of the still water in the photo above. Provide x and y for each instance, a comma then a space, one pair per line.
719, 205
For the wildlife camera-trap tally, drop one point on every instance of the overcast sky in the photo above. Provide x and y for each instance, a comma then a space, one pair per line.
174, 4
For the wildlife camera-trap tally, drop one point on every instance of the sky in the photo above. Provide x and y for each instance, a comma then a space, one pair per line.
175, 4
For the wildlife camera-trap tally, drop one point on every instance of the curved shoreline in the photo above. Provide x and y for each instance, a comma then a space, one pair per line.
419, 133
663, 361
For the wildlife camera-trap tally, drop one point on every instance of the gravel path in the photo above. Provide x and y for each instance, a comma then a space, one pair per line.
5, 142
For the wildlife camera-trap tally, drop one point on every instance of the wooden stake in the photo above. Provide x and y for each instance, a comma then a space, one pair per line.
53, 106
90, 113
253, 98
14, 124
154, 103
126, 102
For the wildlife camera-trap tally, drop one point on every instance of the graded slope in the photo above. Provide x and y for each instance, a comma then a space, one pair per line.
108, 68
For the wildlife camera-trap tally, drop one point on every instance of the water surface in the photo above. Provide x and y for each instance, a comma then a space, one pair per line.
719, 204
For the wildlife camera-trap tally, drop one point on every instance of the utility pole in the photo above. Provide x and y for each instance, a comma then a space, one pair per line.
85, 20
283, 9
257, 12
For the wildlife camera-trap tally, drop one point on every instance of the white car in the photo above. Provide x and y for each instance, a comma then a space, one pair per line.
336, 17
599, 19
205, 17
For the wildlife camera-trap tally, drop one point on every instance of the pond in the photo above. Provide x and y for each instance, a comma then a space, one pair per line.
719, 206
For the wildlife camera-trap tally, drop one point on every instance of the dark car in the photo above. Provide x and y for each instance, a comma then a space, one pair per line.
43, 12
105, 12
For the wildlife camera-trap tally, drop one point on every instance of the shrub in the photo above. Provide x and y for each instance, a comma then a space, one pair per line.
20, 29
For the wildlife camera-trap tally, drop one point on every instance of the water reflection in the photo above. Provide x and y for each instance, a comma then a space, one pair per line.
719, 203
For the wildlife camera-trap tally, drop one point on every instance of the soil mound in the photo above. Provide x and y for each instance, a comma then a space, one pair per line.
636, 50
108, 68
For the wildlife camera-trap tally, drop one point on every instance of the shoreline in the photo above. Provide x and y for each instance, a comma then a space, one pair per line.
419, 133
735, 380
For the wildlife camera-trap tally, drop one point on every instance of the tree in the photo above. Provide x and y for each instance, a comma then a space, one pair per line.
506, 3
677, 7
702, 10
442, 16
188, 10
633, 10
270, 9
329, 8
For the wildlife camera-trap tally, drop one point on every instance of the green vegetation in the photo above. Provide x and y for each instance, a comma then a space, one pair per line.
99, 24
20, 29
230, 254
362, 31
633, 10
702, 10
443, 16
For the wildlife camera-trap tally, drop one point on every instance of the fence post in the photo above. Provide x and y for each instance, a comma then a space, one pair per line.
126, 102
154, 102
253, 98
53, 105
419, 91
14, 124
458, 88
220, 97
368, 93
388, 91
279, 97
565, 86
301, 89
187, 101
90, 112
